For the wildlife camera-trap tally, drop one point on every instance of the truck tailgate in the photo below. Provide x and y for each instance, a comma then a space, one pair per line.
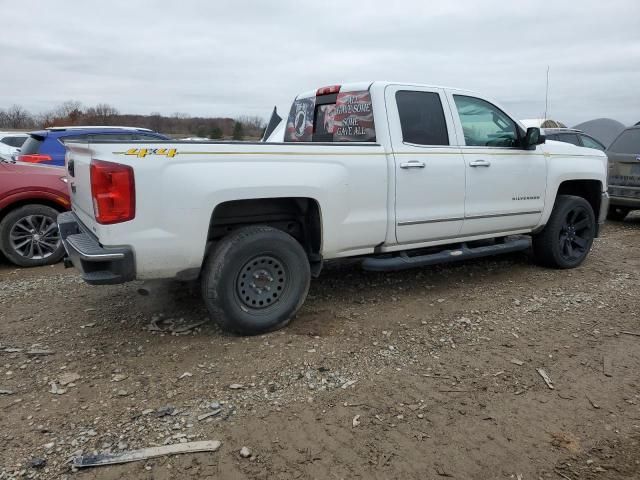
78, 162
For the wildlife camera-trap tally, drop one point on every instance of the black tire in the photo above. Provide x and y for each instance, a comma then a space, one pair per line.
567, 238
255, 280
617, 214
31, 247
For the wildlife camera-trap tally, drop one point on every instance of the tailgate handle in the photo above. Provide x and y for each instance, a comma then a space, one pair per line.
412, 164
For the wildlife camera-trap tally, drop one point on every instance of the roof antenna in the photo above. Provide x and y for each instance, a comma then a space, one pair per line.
546, 97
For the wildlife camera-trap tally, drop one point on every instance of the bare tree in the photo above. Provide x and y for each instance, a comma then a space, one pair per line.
18, 117
156, 122
45, 119
73, 113
252, 126
101, 114
68, 108
69, 112
253, 123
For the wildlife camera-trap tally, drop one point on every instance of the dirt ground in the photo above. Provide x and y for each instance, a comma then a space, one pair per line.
423, 374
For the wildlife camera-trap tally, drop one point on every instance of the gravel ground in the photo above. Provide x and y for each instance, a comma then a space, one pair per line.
425, 374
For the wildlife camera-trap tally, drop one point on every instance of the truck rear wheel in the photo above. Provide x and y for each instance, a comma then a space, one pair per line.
255, 280
567, 238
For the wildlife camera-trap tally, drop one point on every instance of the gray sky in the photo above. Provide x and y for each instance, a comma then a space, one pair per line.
229, 58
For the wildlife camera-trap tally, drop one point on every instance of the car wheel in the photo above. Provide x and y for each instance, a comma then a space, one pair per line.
29, 236
617, 213
255, 280
567, 238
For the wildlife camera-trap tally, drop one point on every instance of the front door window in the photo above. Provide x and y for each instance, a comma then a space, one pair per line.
485, 125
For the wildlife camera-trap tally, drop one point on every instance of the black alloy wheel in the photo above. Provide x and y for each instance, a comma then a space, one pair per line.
576, 234
29, 236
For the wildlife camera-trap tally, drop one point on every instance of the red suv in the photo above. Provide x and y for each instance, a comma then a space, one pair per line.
31, 196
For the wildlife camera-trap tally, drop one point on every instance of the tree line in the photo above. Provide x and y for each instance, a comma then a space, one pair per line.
72, 113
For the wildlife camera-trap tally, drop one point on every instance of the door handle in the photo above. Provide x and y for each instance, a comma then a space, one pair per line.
412, 164
480, 163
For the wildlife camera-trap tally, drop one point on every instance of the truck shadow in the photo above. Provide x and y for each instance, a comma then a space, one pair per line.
342, 286
338, 298
632, 220
344, 291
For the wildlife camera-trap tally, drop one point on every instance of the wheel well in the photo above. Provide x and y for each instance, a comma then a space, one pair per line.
590, 190
299, 217
30, 201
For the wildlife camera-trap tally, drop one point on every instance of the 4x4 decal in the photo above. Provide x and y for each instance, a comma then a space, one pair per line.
143, 152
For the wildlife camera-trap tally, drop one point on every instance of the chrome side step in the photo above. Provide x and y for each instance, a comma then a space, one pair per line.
404, 261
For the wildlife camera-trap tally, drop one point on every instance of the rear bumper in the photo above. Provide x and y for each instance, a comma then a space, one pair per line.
97, 264
633, 203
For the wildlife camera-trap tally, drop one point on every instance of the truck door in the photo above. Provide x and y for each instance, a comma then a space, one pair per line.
429, 168
505, 184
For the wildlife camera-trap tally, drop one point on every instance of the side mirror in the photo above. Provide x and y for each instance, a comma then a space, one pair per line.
532, 138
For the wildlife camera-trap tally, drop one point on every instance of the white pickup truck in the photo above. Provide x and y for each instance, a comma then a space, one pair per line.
399, 175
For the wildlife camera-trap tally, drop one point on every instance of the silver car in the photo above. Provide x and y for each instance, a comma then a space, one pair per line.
573, 136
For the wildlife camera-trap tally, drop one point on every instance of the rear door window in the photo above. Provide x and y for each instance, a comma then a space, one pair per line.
111, 137
73, 138
19, 141
15, 142
341, 117
422, 118
628, 142
147, 137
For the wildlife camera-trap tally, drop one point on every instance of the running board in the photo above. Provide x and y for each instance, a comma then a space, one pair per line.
404, 261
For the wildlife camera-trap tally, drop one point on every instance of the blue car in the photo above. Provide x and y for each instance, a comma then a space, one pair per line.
46, 147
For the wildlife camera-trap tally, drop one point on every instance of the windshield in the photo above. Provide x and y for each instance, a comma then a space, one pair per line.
628, 142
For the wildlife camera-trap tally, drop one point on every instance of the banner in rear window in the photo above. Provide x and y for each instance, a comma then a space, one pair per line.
354, 118
349, 119
300, 123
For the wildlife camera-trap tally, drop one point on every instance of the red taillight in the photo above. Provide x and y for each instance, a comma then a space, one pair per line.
113, 191
34, 158
328, 90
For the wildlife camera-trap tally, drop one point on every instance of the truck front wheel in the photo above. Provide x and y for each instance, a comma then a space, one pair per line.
255, 280
566, 239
